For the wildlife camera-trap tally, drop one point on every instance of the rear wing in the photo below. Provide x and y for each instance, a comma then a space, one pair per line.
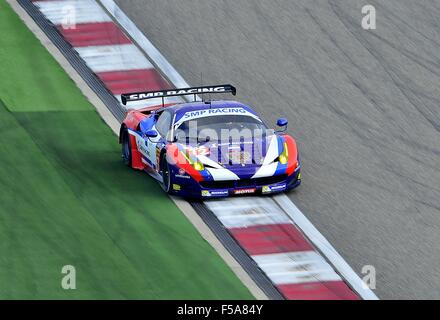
136, 96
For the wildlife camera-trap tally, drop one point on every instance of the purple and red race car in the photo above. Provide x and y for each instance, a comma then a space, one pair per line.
206, 149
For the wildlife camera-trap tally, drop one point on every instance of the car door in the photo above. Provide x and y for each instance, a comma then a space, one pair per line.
154, 145
142, 141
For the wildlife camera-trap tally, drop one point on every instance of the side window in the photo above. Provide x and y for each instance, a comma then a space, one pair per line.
163, 124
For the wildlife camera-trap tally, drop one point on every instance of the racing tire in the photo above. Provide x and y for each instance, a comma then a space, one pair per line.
126, 148
165, 172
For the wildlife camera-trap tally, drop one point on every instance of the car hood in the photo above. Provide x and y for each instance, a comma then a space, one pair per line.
243, 158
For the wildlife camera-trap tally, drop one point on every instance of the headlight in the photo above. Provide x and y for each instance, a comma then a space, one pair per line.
190, 157
198, 166
195, 164
284, 156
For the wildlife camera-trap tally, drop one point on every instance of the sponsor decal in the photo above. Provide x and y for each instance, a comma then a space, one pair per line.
176, 187
198, 151
245, 191
207, 193
207, 112
182, 176
149, 95
191, 115
219, 192
142, 146
272, 188
278, 187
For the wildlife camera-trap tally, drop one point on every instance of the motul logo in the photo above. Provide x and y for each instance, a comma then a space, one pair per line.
244, 191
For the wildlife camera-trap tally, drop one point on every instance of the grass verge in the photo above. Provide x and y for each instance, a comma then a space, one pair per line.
66, 199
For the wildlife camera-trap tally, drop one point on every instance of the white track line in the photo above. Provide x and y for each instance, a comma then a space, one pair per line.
119, 57
247, 212
296, 215
296, 267
79, 11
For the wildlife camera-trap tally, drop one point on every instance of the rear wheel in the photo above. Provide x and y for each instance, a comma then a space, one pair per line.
166, 176
126, 148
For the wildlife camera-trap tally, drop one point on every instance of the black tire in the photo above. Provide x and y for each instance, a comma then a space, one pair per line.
165, 172
126, 148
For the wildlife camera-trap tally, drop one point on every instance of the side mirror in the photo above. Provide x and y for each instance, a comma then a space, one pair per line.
151, 134
282, 122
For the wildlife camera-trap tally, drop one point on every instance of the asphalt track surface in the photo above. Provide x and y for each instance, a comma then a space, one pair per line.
364, 107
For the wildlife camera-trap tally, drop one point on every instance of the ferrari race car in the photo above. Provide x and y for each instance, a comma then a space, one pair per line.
206, 149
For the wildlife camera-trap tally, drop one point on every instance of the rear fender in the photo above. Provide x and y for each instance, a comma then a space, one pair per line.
136, 157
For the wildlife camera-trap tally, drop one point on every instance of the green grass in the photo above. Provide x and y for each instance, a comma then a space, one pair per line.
66, 198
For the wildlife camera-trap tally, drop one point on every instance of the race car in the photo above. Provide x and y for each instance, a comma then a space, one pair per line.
208, 149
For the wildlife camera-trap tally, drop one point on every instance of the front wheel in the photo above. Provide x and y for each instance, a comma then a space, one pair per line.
166, 176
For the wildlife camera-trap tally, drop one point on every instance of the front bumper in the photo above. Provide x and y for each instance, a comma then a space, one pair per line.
185, 186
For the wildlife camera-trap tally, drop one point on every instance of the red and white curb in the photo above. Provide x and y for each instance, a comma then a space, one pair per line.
106, 50
270, 230
273, 241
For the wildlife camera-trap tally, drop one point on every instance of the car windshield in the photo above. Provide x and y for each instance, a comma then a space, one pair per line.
220, 128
